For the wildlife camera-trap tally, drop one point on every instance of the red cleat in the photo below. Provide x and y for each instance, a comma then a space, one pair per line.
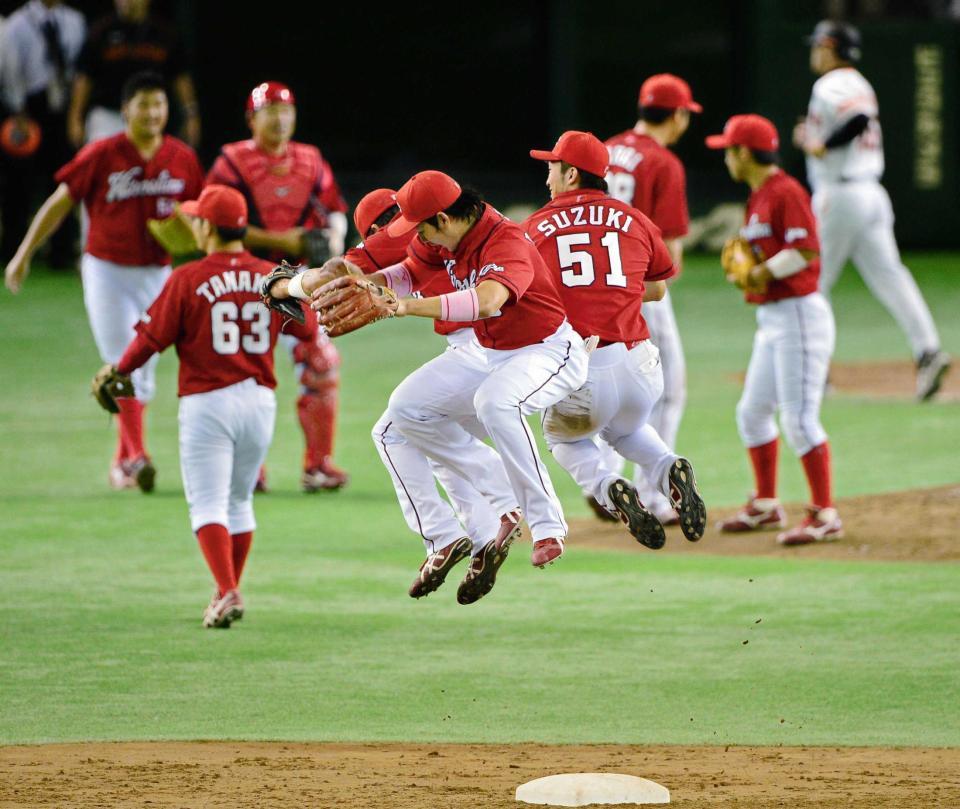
820, 525
325, 477
757, 515
546, 551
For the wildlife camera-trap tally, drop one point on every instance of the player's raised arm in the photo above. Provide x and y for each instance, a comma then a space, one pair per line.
44, 224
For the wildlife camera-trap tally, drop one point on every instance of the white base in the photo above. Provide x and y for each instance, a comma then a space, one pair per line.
583, 789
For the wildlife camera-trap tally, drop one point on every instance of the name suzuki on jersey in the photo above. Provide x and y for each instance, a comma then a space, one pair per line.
581, 215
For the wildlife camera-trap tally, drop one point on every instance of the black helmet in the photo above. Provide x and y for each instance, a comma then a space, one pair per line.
841, 36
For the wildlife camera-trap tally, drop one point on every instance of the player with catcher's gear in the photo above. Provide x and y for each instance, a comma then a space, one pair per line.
296, 213
776, 263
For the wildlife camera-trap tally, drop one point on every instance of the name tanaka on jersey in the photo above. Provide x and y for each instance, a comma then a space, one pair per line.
229, 281
580, 215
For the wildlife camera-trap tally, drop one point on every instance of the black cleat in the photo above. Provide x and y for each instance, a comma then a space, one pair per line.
686, 500
642, 524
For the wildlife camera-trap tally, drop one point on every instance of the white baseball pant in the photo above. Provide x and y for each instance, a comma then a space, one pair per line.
668, 411
415, 476
621, 390
115, 297
855, 220
788, 372
512, 384
224, 438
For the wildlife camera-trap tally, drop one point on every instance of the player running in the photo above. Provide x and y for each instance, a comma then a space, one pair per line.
842, 140
211, 311
794, 339
296, 213
644, 173
122, 182
609, 259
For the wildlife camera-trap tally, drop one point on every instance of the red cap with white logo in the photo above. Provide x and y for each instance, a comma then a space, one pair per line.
668, 92
220, 204
269, 92
582, 150
422, 196
752, 131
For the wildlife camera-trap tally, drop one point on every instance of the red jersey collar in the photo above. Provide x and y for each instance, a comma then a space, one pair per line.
481, 230
227, 258
576, 195
135, 152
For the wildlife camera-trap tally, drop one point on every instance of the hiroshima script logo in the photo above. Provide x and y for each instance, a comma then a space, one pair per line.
125, 185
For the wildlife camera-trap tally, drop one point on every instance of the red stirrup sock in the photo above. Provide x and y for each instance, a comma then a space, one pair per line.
218, 551
241, 547
816, 465
764, 460
130, 419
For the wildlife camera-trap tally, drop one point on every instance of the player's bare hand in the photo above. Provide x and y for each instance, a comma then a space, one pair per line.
800, 135
335, 241
17, 270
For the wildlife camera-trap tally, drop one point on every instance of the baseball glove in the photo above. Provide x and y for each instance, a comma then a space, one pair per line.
108, 385
348, 303
288, 307
316, 247
173, 235
737, 260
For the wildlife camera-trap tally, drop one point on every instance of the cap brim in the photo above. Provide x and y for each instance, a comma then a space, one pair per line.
401, 225
693, 106
538, 154
191, 208
717, 142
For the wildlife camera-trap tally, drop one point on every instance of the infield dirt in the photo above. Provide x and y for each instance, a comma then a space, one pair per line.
877, 527
398, 776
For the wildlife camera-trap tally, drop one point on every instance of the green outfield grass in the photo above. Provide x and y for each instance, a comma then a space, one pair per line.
101, 593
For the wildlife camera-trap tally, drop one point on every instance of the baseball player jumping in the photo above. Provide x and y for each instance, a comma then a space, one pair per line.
795, 333
122, 182
842, 140
644, 173
525, 356
211, 311
296, 212
448, 534
608, 259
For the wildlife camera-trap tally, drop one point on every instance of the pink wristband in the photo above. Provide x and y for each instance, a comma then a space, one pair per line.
398, 278
460, 307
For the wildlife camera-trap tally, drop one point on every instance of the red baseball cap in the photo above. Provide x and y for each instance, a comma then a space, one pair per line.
667, 91
422, 196
583, 150
220, 204
269, 92
370, 208
752, 131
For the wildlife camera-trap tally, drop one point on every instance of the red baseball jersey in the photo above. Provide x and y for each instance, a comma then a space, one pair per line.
601, 252
212, 312
122, 191
652, 179
295, 189
382, 250
497, 249
778, 217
